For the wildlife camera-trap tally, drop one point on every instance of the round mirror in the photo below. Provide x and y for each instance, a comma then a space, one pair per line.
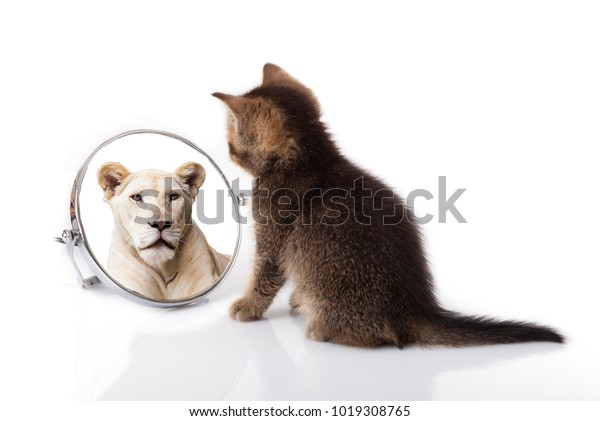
154, 218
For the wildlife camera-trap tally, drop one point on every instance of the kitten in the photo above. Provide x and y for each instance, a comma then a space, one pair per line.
351, 248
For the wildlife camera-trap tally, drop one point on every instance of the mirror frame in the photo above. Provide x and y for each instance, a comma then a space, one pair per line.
76, 237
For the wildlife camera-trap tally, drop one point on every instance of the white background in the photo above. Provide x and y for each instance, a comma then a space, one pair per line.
502, 98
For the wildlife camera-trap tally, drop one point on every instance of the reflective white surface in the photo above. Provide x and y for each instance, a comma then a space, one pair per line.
68, 343
199, 353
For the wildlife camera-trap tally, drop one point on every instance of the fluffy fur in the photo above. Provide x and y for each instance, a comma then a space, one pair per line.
157, 249
359, 281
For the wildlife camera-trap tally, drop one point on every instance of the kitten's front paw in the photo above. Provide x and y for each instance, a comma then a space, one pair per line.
246, 309
316, 332
295, 303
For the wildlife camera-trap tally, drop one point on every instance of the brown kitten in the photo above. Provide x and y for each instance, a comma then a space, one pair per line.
358, 266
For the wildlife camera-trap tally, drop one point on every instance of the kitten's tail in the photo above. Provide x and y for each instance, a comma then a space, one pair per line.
452, 329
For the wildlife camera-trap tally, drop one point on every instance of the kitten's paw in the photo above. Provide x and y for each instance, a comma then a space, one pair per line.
246, 309
295, 302
315, 332
294, 306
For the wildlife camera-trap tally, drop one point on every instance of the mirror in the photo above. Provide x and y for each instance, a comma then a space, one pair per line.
154, 218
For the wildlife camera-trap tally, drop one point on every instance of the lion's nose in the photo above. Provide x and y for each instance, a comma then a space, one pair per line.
160, 225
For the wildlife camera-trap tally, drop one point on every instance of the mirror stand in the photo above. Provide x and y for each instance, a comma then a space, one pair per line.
70, 238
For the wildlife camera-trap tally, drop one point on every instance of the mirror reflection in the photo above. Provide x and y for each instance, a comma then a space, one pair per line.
157, 216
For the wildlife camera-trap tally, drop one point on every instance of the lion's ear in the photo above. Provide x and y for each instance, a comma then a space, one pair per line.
193, 175
111, 175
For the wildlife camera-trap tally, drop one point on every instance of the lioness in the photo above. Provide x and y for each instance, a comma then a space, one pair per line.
157, 249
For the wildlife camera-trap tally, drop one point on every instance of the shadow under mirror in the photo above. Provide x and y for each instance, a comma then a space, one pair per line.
156, 216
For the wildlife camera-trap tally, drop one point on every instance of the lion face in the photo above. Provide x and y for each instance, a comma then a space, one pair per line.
152, 209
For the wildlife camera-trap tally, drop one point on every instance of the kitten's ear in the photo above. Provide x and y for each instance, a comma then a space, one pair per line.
235, 103
274, 75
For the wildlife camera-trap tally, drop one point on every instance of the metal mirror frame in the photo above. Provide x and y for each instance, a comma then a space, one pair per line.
76, 237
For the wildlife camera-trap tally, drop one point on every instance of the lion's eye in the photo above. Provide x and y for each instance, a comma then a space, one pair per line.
136, 198
173, 197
